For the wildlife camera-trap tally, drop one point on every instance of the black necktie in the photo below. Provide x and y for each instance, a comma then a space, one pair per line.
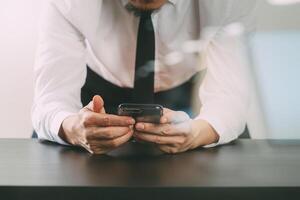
144, 64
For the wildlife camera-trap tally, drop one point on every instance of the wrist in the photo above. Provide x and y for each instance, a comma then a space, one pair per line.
66, 128
205, 133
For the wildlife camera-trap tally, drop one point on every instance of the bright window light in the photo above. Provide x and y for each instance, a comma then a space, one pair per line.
283, 2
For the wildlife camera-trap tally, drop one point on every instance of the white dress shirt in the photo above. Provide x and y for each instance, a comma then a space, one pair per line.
103, 34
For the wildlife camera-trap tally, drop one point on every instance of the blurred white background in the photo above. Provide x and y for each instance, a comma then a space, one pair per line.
18, 38
274, 50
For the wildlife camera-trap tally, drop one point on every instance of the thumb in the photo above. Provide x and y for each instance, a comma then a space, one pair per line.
96, 105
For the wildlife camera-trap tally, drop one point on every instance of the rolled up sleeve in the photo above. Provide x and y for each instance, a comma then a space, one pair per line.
226, 88
224, 93
59, 71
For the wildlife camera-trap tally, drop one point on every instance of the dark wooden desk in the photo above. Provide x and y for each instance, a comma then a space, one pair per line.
248, 169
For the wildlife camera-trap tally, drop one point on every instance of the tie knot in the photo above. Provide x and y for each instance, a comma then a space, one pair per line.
146, 13
137, 12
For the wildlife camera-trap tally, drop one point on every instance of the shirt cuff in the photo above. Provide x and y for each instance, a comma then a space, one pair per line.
56, 124
218, 124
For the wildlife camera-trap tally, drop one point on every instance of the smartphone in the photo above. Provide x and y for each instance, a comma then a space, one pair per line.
141, 112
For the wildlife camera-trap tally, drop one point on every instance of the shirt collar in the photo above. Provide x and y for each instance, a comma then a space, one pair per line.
125, 2
173, 1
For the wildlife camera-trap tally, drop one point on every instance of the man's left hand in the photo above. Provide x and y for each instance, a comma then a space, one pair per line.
176, 133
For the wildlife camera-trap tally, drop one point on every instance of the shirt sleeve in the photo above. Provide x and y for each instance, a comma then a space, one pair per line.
60, 71
225, 90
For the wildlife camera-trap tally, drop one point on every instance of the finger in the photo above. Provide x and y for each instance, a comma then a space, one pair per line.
164, 118
99, 150
168, 149
159, 139
164, 129
159, 129
117, 141
170, 116
105, 120
96, 105
96, 133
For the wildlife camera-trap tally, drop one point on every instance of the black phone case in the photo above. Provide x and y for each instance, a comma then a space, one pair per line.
142, 112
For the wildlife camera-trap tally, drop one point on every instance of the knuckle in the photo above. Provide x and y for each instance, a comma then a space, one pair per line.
91, 132
167, 129
86, 119
157, 139
146, 126
123, 131
106, 121
126, 129
181, 141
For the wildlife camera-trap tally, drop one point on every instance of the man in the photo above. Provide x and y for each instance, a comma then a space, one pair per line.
92, 52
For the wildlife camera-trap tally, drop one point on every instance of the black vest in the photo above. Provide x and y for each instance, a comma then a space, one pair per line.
178, 98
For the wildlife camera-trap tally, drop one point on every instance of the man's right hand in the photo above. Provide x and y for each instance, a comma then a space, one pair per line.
95, 130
